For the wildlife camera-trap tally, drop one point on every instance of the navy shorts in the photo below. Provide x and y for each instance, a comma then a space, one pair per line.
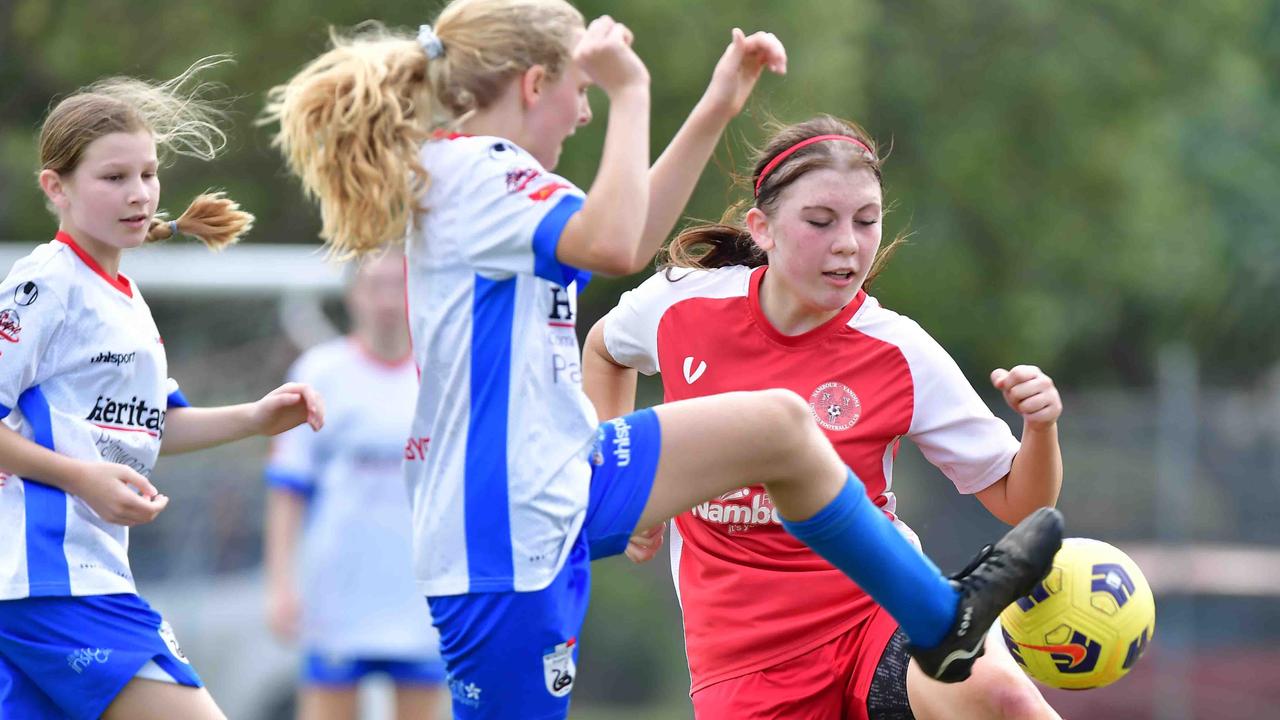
320, 670
66, 657
514, 654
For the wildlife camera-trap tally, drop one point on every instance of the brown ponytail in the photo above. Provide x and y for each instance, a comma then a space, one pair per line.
213, 218
713, 245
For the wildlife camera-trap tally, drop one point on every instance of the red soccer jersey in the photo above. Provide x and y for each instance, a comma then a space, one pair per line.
752, 595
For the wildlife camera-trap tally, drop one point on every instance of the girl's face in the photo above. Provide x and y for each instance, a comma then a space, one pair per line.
108, 200
821, 238
376, 297
560, 108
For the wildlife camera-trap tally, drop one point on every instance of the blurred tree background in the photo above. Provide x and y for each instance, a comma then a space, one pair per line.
1083, 185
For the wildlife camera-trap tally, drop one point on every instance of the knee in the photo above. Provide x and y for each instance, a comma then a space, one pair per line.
787, 413
790, 441
1011, 696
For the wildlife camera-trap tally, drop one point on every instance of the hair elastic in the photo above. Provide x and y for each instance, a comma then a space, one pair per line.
173, 228
430, 42
777, 159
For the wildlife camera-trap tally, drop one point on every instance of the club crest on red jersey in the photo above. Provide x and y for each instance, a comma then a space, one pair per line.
835, 406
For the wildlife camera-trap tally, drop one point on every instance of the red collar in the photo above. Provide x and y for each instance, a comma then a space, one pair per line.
119, 282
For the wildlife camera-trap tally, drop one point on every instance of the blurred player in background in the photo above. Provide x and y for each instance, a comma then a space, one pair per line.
778, 301
515, 485
88, 405
356, 607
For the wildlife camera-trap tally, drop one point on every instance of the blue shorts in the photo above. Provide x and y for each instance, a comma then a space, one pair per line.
514, 654
66, 657
319, 670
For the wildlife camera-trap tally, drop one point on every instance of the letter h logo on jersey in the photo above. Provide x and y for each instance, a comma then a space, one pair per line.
561, 307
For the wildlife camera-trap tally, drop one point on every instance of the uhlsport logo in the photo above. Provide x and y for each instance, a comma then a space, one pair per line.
621, 441
835, 406
25, 294
113, 358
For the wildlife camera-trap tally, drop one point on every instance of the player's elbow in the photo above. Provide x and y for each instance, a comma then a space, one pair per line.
617, 262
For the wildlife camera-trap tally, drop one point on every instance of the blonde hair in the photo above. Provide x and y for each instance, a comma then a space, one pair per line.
180, 118
352, 121
728, 242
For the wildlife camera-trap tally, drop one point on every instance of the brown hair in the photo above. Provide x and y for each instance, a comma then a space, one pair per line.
714, 245
181, 120
352, 121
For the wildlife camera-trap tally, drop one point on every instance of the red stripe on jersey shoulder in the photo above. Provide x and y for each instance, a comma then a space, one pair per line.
119, 282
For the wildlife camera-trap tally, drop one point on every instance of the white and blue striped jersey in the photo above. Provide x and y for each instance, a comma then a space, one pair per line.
359, 598
83, 373
497, 457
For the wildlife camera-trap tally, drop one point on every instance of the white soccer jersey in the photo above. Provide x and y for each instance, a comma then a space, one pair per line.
83, 373
358, 593
498, 452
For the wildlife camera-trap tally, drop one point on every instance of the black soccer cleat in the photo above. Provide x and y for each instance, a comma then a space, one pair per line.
997, 577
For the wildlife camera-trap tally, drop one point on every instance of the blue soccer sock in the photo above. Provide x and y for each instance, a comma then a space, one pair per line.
855, 536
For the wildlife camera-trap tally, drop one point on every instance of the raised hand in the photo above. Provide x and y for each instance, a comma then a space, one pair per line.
604, 53
1030, 392
740, 67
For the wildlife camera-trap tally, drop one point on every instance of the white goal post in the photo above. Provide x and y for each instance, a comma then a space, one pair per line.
298, 276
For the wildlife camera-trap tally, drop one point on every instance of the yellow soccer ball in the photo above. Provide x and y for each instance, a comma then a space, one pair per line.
1087, 623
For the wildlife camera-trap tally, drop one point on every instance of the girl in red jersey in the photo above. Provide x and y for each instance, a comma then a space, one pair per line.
779, 302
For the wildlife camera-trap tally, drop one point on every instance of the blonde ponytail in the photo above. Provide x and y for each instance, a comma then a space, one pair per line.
352, 121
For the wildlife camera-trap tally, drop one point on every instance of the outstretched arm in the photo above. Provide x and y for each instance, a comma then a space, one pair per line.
1036, 476
620, 238
675, 174
190, 428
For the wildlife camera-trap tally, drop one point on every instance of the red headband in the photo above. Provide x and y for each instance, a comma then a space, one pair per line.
777, 159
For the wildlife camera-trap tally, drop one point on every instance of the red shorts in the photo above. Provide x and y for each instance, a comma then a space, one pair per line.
828, 682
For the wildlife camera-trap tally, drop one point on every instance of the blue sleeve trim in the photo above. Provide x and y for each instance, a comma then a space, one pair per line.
177, 399
546, 238
4, 411
293, 482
